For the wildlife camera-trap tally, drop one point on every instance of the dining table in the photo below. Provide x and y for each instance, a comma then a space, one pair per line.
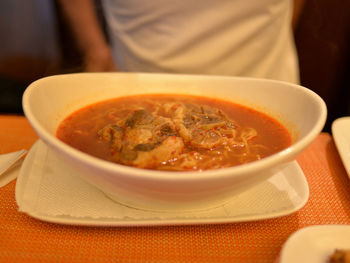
24, 238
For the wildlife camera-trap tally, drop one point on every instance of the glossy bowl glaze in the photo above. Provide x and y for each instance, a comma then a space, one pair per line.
47, 101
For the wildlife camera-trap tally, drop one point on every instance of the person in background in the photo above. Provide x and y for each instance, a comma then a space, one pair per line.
252, 38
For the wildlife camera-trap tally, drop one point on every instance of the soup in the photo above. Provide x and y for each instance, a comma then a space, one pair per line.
173, 132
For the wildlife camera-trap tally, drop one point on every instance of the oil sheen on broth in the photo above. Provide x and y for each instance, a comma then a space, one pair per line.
173, 132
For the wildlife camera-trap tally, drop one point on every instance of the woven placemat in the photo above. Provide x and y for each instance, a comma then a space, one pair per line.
24, 239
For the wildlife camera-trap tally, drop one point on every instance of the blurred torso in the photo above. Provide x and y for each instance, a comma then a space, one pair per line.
224, 37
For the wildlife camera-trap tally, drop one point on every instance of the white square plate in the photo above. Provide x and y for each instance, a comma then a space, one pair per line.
48, 190
341, 135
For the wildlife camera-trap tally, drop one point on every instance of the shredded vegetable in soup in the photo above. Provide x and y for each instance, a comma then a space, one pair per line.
173, 132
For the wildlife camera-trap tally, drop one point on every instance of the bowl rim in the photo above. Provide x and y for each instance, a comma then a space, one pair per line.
148, 174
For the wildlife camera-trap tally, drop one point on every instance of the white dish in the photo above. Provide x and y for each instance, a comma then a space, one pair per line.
341, 135
315, 244
47, 101
47, 190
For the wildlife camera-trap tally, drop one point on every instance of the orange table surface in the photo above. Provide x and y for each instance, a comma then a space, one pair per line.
25, 239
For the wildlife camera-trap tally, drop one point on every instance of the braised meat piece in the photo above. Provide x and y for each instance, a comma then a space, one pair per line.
144, 141
201, 126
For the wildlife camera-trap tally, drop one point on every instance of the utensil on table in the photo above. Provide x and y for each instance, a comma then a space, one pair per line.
8, 161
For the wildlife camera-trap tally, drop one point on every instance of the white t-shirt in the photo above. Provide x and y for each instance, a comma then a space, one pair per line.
221, 37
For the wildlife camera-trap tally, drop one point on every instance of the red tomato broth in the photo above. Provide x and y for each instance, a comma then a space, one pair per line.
80, 129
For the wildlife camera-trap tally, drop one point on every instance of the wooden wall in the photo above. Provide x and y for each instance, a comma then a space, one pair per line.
323, 43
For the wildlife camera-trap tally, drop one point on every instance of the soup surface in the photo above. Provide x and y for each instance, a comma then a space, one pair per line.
173, 132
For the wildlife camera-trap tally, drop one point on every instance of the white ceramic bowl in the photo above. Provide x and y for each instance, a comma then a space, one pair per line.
46, 102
